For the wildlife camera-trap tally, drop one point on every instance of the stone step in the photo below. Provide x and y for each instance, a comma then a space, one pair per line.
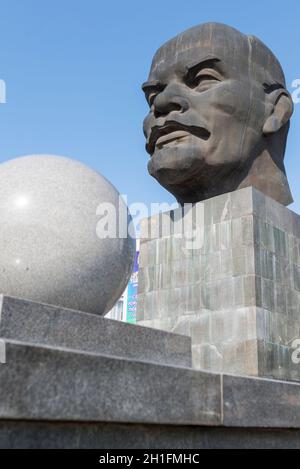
35, 323
42, 383
46, 383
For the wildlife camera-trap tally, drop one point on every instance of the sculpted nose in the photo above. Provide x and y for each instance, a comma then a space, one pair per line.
166, 102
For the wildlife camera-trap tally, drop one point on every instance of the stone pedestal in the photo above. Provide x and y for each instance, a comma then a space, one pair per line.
75, 380
236, 293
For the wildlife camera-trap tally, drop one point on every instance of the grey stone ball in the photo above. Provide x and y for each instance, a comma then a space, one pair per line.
50, 247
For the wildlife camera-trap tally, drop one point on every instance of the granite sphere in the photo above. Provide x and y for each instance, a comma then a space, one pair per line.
50, 247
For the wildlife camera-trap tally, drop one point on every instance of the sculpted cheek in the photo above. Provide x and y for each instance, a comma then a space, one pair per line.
223, 100
232, 101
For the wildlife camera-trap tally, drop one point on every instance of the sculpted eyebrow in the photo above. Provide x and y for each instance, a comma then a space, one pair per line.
209, 62
270, 87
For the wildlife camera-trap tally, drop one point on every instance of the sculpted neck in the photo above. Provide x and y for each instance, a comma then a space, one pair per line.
265, 176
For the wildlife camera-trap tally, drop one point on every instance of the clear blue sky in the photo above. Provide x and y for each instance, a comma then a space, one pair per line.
73, 70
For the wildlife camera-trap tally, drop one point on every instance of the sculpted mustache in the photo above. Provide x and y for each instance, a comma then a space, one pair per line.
159, 131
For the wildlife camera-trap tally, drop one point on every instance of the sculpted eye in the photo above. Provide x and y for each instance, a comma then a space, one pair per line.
203, 80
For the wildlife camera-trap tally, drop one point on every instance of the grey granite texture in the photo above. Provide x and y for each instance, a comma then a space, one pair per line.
37, 323
59, 398
52, 245
47, 383
56, 384
74, 435
266, 403
55, 396
237, 293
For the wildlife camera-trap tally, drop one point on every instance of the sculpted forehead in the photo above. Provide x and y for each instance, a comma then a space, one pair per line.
200, 42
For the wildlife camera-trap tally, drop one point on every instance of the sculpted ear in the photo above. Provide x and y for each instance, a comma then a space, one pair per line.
282, 109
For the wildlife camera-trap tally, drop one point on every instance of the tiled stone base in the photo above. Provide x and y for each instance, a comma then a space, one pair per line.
237, 294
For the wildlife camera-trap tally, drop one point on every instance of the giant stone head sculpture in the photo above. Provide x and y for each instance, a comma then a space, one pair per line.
219, 115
